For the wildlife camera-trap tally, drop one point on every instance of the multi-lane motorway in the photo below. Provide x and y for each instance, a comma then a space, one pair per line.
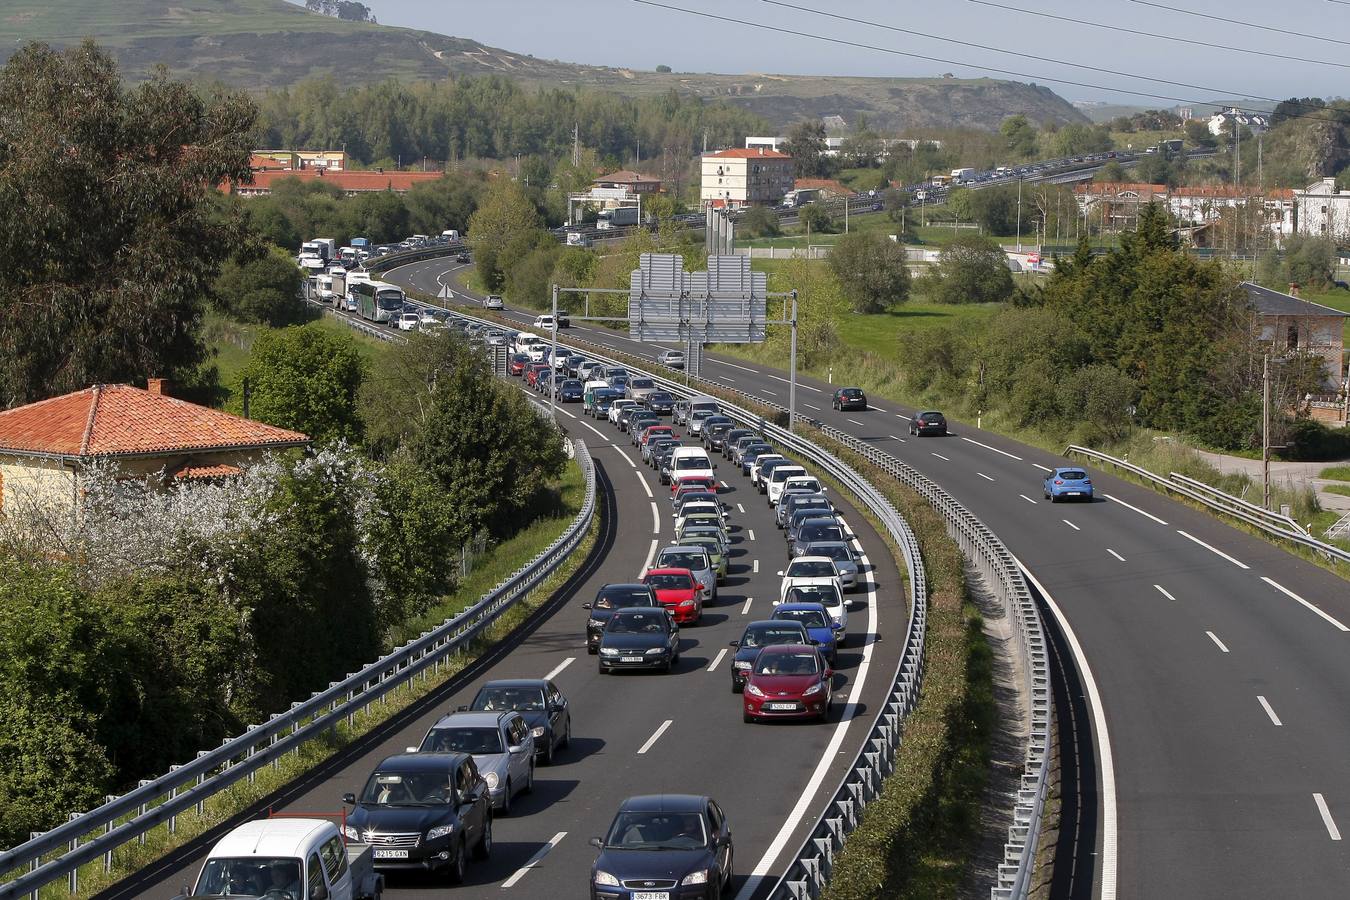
638, 733
1215, 667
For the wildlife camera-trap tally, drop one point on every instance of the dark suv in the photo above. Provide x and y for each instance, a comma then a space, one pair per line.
928, 422
850, 398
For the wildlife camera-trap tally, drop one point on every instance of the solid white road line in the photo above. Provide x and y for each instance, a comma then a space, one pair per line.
984, 476
1106, 760
1162, 590
603, 436
812, 406
1265, 704
655, 737
534, 860
559, 667
1071, 525
1115, 554
646, 487
1288, 593
1147, 515
1026, 498
565, 413
656, 520
1326, 817
1212, 549
897, 437
717, 659
995, 449
725, 486
746, 608
940, 456
856, 422
1215, 638
650, 555
1043, 468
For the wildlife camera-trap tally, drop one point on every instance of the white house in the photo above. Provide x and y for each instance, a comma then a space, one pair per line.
1323, 211
1219, 122
750, 177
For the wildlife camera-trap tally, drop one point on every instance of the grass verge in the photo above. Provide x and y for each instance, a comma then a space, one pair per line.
1338, 473
493, 567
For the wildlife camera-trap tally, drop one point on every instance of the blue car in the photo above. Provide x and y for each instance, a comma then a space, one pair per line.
1068, 483
815, 618
664, 845
570, 391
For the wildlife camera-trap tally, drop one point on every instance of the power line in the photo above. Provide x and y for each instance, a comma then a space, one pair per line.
1166, 37
1200, 15
937, 59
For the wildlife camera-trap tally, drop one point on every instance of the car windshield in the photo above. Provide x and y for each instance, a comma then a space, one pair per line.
619, 599
810, 569
517, 698
407, 788
820, 532
659, 397
662, 581
706, 541
697, 497
657, 831
637, 623
781, 663
1073, 475
641, 383
463, 740
823, 594
683, 560
836, 552
770, 634
687, 463
810, 485
251, 876
810, 618
851, 393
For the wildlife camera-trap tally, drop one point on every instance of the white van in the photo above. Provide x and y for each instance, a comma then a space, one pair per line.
525, 341
690, 462
290, 857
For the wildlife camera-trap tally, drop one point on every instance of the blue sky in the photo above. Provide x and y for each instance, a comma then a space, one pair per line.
625, 33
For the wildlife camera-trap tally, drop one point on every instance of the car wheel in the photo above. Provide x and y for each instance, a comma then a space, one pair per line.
593, 651
506, 800
529, 782
567, 734
456, 865
484, 848
1054, 498
747, 718
736, 688
548, 749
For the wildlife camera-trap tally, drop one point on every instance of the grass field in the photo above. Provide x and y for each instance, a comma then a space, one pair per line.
877, 333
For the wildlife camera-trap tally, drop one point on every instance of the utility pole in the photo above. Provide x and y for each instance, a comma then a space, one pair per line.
576, 145
1019, 215
553, 361
1265, 431
792, 367
845, 214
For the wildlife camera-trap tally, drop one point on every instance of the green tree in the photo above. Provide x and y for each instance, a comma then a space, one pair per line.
816, 219
416, 544
1197, 133
505, 224
1099, 397
759, 221
996, 208
806, 145
663, 68
972, 269
871, 269
1078, 139
445, 203
109, 241
264, 289
530, 281
305, 378
1020, 136
1111, 173
1305, 260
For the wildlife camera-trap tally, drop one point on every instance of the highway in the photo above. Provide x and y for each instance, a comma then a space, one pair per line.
1214, 665
639, 733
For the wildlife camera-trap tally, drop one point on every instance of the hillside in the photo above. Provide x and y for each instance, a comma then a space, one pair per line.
258, 44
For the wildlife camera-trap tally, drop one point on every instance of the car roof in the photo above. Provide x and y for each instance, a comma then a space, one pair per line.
670, 570
664, 803
271, 837
800, 606
624, 585
792, 648
516, 683
1059, 469
472, 719
420, 762
812, 559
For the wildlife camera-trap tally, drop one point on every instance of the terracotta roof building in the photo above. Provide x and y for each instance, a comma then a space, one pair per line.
745, 177
44, 445
828, 187
348, 182
633, 182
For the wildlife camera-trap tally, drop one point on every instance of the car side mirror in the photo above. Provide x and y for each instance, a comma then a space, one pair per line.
319, 892
461, 709
516, 748
733, 643
586, 605
596, 843
349, 799
780, 574
410, 750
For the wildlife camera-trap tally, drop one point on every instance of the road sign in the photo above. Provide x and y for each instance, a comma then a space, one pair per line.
446, 293
725, 304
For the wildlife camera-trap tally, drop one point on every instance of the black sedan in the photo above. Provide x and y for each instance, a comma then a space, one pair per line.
758, 635
673, 845
849, 398
613, 597
570, 390
928, 422
424, 812
661, 402
639, 639
539, 702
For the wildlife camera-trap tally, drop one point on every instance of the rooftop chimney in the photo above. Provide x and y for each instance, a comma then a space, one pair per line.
155, 386
1293, 288
761, 151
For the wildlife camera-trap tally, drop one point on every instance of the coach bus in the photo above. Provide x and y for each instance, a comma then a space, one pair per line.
378, 301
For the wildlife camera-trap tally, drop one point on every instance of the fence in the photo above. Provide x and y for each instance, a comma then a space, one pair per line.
96, 834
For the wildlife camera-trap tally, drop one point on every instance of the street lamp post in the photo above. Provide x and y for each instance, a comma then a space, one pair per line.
792, 366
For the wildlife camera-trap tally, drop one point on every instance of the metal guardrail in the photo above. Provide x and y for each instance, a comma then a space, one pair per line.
1227, 504
1221, 497
98, 833
809, 872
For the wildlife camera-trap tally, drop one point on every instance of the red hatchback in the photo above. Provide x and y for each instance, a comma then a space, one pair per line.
788, 681
652, 431
693, 483
678, 591
518, 363
532, 372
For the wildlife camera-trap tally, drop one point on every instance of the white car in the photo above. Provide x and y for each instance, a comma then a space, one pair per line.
408, 321
617, 407
544, 323
831, 596
672, 358
492, 301
428, 317
807, 484
777, 478
696, 560
760, 461
698, 508
806, 570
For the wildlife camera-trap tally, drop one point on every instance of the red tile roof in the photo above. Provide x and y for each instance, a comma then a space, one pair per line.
120, 420
748, 153
829, 185
1119, 187
347, 181
188, 472
624, 176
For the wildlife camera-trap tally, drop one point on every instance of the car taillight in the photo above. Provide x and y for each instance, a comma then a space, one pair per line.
1057, 481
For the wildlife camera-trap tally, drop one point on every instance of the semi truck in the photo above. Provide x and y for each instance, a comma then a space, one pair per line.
618, 217
960, 175
800, 197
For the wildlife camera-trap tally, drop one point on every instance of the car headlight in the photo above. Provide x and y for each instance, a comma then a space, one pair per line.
742, 664
602, 877
656, 651
753, 690
491, 778
686, 602
440, 831
351, 833
595, 623
813, 689
608, 651
537, 732
699, 877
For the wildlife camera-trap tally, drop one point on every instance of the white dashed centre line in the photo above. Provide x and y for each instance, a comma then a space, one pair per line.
812, 406
1162, 590
940, 456
995, 449
897, 437
740, 508
1265, 704
746, 608
1326, 817
534, 860
1115, 554
984, 476
856, 422
559, 667
1071, 525
1212, 549
1147, 515
751, 532
1218, 643
755, 567
1026, 498
1288, 593
717, 659
767, 391
655, 737
1043, 468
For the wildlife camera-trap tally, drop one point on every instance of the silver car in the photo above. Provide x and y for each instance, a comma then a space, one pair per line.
696, 560
500, 743
845, 560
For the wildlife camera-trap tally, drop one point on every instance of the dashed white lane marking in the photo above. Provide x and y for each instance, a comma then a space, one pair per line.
751, 532
1265, 704
655, 737
656, 520
722, 362
717, 659
534, 860
1212, 549
856, 422
1147, 515
1162, 590
725, 486
898, 438
767, 391
755, 567
995, 449
812, 406
1026, 498
1326, 817
559, 667
746, 608
940, 456
1071, 525
984, 476
1218, 643
1043, 468
875, 408
1115, 554
740, 508
1288, 593
565, 412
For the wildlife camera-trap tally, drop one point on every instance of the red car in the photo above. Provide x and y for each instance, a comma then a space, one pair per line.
788, 681
532, 372
518, 363
695, 483
652, 431
678, 591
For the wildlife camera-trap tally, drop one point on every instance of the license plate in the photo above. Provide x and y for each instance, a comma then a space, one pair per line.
1074, 493
391, 854
781, 705
651, 895
630, 659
